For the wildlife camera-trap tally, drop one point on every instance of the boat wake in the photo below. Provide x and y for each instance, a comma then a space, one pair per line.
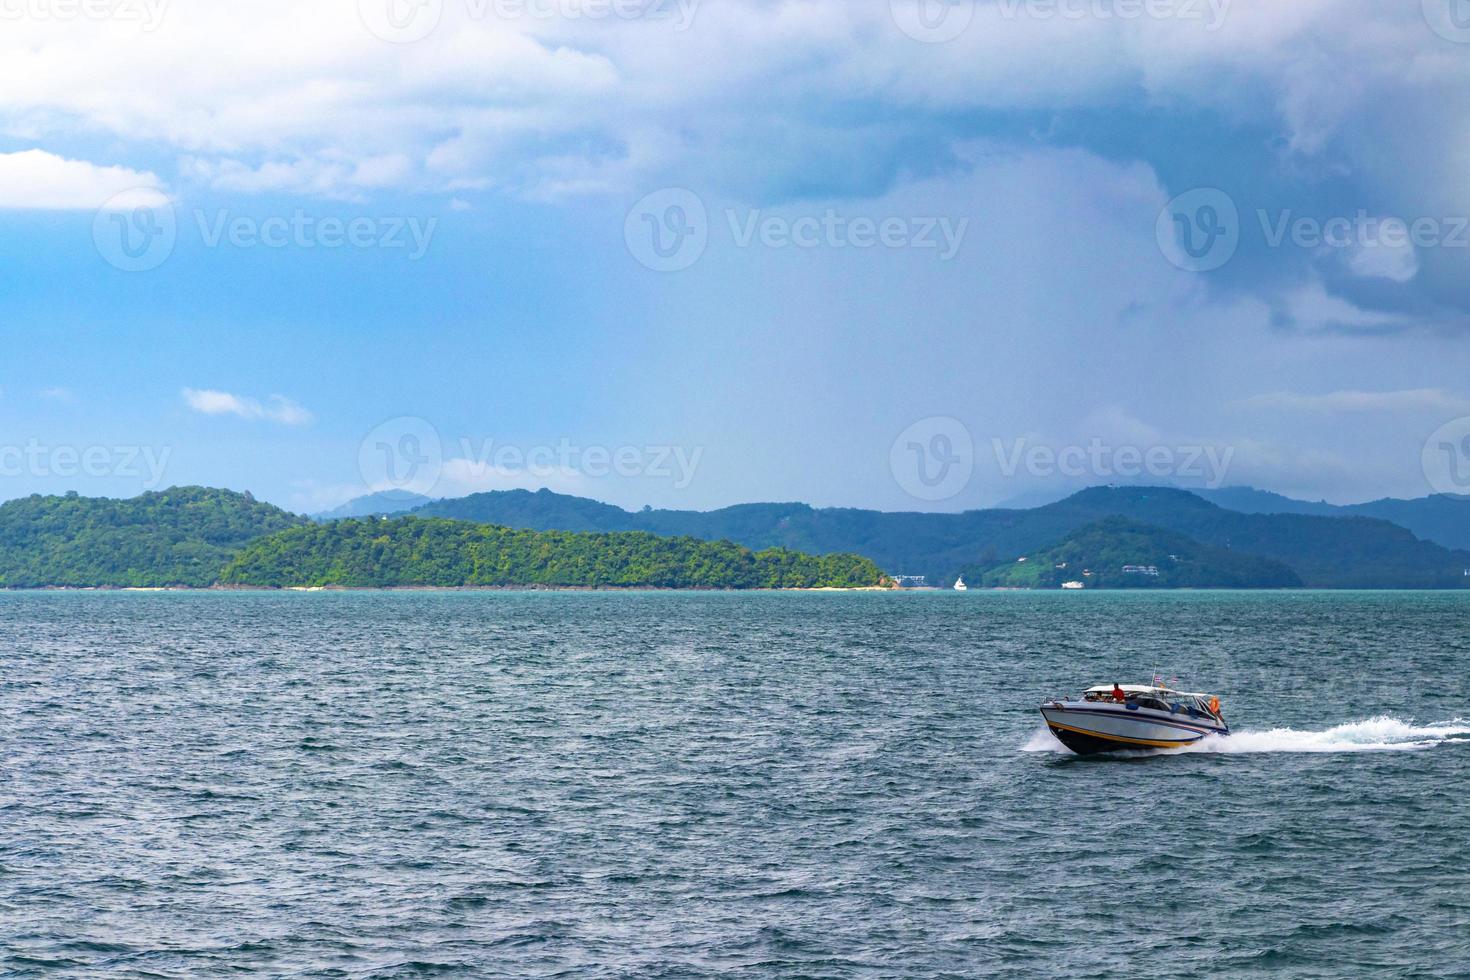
1381, 734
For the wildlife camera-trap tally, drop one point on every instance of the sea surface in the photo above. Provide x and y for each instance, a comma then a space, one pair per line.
678, 785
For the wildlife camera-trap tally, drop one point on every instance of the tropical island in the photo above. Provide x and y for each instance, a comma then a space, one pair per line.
437, 553
1100, 538
194, 537
1389, 544
1116, 553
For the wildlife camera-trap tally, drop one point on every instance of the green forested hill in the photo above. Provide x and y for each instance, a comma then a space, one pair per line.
431, 552
1097, 555
1441, 518
185, 536
1326, 552
180, 536
909, 543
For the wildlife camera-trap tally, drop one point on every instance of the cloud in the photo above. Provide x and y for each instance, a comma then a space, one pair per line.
1115, 425
277, 409
335, 112
1410, 400
461, 477
64, 395
1305, 472
759, 93
41, 181
455, 477
1397, 262
1337, 105
1311, 307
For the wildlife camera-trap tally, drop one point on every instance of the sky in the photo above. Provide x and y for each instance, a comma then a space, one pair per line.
909, 255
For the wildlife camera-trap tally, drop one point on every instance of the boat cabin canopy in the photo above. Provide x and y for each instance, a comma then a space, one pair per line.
1151, 696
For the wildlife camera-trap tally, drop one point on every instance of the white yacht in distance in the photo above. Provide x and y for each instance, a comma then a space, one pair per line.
1133, 716
960, 586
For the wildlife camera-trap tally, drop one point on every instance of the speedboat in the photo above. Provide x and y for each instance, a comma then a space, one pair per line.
1146, 716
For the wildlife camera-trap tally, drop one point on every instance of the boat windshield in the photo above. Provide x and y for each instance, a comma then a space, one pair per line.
1158, 698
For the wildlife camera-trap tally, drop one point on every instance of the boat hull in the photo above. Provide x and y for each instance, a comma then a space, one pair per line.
1090, 730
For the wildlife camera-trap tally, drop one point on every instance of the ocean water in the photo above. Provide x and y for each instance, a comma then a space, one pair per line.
672, 785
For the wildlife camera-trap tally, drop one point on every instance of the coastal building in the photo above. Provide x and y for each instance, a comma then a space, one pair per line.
1152, 570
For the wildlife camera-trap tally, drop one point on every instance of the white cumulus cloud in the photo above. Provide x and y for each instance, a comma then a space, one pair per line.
37, 180
277, 408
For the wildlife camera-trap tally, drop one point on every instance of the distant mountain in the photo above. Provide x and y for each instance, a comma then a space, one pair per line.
1326, 552
180, 536
1249, 500
185, 536
931, 544
1033, 499
382, 504
412, 551
1116, 553
539, 511
1441, 518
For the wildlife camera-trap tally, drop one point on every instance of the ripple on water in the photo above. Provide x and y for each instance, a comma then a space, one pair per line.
368, 785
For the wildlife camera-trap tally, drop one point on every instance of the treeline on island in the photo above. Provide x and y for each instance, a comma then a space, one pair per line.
1349, 550
198, 537
181, 536
432, 552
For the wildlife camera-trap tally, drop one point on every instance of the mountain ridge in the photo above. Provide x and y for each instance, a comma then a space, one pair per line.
1118, 553
1441, 518
1328, 552
384, 503
186, 535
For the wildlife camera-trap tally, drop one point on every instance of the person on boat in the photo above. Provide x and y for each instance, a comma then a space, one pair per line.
1118, 694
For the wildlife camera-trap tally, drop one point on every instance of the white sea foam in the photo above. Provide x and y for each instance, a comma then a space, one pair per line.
1381, 734
1042, 740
